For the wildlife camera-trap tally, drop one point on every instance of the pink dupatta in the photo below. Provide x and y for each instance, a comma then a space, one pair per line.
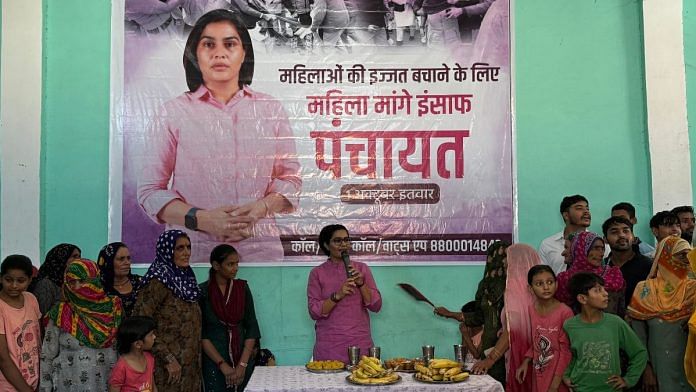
518, 299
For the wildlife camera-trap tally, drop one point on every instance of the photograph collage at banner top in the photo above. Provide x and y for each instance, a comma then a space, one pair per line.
276, 118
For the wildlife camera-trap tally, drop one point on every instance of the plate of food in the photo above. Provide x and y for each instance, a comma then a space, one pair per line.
441, 371
391, 378
402, 365
331, 366
461, 377
369, 371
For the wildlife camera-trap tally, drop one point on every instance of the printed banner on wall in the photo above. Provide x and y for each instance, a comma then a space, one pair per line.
276, 118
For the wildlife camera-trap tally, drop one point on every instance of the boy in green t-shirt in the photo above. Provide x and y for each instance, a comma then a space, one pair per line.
596, 338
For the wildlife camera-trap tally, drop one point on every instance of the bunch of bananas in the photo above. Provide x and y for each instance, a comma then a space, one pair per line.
441, 370
370, 371
325, 365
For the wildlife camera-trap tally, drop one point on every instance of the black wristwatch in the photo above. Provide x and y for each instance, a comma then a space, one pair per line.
190, 220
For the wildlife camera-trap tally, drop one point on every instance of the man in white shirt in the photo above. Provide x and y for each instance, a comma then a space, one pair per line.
575, 211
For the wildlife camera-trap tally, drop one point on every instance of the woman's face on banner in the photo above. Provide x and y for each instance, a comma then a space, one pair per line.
220, 54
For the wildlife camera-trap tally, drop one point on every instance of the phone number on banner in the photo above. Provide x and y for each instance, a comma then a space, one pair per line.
449, 244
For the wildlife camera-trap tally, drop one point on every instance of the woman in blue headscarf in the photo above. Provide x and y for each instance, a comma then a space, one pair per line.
170, 294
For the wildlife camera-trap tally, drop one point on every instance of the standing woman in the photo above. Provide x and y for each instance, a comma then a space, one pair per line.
230, 329
489, 301
660, 309
587, 251
77, 352
47, 285
169, 294
338, 303
115, 266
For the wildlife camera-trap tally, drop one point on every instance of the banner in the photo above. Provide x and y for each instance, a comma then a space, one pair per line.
276, 118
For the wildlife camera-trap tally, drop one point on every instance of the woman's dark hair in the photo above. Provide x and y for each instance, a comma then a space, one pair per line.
325, 236
106, 269
131, 330
194, 78
538, 269
16, 262
221, 252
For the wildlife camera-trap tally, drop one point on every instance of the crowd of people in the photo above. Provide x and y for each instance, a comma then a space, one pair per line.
607, 318
588, 311
77, 325
327, 23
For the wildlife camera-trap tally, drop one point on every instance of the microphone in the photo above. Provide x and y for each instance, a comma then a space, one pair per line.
346, 262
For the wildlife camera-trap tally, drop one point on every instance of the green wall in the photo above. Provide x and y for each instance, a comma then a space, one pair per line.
580, 129
690, 61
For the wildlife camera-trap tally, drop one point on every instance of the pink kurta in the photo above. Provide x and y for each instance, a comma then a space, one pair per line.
210, 154
348, 324
550, 351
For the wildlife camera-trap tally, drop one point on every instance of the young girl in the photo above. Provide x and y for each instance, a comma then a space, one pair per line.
134, 370
19, 327
549, 353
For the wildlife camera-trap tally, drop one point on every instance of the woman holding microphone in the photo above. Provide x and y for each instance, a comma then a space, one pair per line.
339, 295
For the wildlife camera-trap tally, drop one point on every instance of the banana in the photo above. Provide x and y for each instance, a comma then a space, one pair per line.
453, 372
423, 370
358, 373
423, 377
367, 369
443, 371
437, 377
376, 366
443, 363
374, 361
460, 377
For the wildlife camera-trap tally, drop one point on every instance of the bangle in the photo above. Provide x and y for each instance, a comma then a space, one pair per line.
334, 298
243, 364
361, 285
220, 362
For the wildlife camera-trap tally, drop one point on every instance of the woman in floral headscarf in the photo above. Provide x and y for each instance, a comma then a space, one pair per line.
661, 307
48, 283
587, 250
77, 352
169, 294
114, 263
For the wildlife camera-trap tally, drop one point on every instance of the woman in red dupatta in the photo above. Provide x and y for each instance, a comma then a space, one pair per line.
230, 329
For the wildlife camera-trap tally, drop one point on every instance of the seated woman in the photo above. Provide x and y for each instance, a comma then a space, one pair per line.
230, 329
169, 294
77, 352
47, 285
114, 263
339, 302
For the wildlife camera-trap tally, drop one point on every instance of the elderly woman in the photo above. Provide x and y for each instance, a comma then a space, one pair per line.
587, 252
221, 158
230, 329
660, 309
77, 352
47, 285
114, 263
338, 300
170, 294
